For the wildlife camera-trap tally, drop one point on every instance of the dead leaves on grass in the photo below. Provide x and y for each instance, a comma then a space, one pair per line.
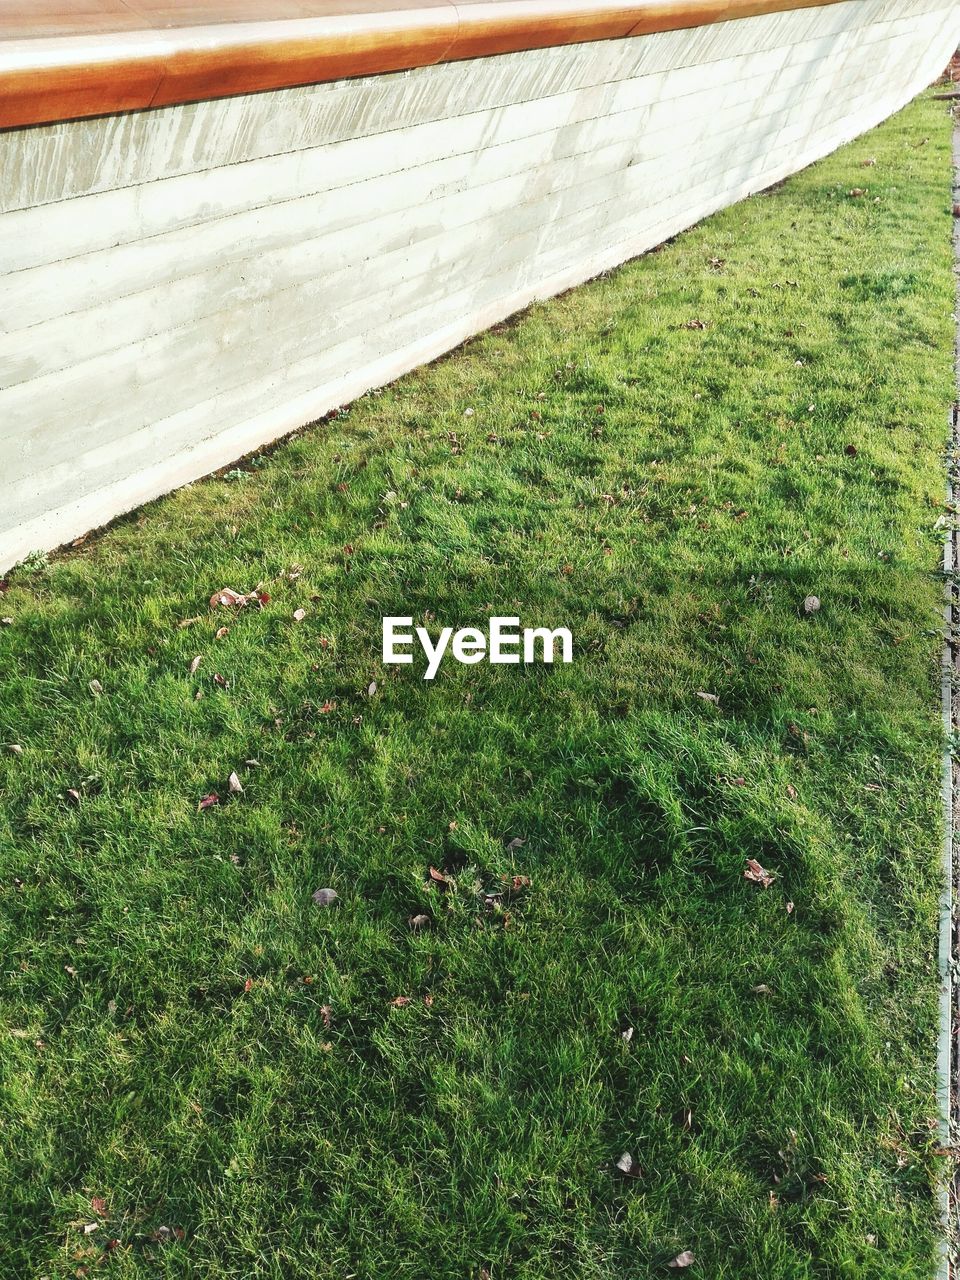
757, 874
685, 1259
227, 598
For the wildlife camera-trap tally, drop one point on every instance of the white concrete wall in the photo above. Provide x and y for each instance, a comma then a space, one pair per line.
180, 286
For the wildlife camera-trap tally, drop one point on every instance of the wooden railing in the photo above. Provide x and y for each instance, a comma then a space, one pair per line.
64, 59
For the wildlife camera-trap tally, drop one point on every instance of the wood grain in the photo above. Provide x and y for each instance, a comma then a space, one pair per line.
69, 59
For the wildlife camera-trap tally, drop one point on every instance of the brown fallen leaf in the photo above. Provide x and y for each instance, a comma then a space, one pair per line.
791, 791
220, 680
757, 874
221, 632
233, 782
95, 687
684, 1259
228, 598
439, 878
195, 664
248, 986
399, 1002
326, 1013
167, 1235
73, 795
857, 191
515, 843
99, 1206
419, 922
789, 908
208, 801
428, 1001
325, 897
850, 450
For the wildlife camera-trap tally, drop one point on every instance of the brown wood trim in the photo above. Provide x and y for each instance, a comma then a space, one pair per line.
65, 59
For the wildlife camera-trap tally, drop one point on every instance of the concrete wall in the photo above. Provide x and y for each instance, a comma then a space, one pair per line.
180, 286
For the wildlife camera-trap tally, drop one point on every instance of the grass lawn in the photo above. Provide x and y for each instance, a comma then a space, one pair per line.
667, 461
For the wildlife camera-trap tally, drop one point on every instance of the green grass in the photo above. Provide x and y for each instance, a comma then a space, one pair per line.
671, 493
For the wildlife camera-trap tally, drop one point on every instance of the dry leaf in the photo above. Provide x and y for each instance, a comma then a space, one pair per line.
90, 1227
220, 680
439, 878
167, 1235
627, 1035
757, 874
326, 1012
627, 1165
68, 968
398, 1002
325, 897
95, 687
6, 622
233, 782
187, 622
228, 598
684, 1259
811, 604
194, 664
208, 801
221, 632
299, 615
707, 697
791, 791
763, 990
428, 1001
515, 843
419, 922
15, 749
850, 450
371, 688
99, 1206
857, 191
73, 794
789, 908
248, 986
